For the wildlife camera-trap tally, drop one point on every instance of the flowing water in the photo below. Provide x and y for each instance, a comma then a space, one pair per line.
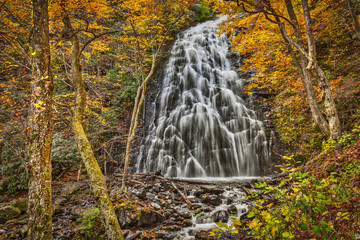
203, 127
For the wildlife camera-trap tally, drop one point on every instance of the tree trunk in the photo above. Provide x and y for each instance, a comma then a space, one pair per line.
355, 19
41, 128
330, 106
140, 96
94, 173
304, 73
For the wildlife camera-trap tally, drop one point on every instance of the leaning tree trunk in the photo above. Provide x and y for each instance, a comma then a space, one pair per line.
330, 106
354, 18
41, 128
139, 100
96, 177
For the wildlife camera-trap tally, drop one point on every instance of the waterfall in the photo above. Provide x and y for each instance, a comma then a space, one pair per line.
203, 127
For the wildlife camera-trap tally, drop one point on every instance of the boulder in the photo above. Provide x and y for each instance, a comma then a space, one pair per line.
232, 210
77, 211
21, 203
212, 189
69, 189
149, 217
125, 216
8, 212
220, 216
212, 199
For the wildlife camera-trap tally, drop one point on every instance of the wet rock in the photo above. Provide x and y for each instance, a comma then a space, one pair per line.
211, 199
125, 217
204, 236
187, 223
148, 218
21, 204
171, 228
203, 218
196, 206
220, 216
183, 212
212, 189
8, 212
199, 192
164, 235
69, 189
232, 210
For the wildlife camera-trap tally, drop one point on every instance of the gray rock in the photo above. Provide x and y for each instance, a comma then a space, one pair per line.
21, 203
77, 211
232, 210
212, 199
155, 205
148, 218
183, 212
8, 212
212, 189
59, 202
151, 196
220, 216
69, 189
125, 217
140, 193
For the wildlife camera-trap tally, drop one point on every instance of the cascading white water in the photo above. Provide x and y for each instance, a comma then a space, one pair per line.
203, 127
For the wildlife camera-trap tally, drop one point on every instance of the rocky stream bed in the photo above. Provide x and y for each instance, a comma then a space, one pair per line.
154, 208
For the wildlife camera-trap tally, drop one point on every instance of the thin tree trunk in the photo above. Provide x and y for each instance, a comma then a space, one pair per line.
330, 106
140, 96
139, 100
304, 73
355, 19
96, 177
41, 128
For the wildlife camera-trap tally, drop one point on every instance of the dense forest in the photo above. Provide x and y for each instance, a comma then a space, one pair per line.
78, 84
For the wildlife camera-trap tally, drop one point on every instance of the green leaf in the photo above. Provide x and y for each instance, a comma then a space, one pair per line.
250, 215
316, 229
303, 225
286, 234
324, 224
222, 225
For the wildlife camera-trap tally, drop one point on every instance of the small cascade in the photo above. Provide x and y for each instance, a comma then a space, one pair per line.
203, 127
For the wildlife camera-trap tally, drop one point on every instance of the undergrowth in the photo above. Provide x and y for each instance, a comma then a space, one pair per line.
318, 200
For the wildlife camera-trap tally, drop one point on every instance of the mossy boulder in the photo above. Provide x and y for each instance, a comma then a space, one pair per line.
21, 204
8, 212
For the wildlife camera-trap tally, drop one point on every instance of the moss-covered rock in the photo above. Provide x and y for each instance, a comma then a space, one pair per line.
21, 204
8, 212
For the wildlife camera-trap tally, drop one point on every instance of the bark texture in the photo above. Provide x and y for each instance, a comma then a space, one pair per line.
94, 173
41, 128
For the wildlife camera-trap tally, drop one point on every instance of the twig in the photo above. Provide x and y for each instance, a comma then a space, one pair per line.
181, 194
